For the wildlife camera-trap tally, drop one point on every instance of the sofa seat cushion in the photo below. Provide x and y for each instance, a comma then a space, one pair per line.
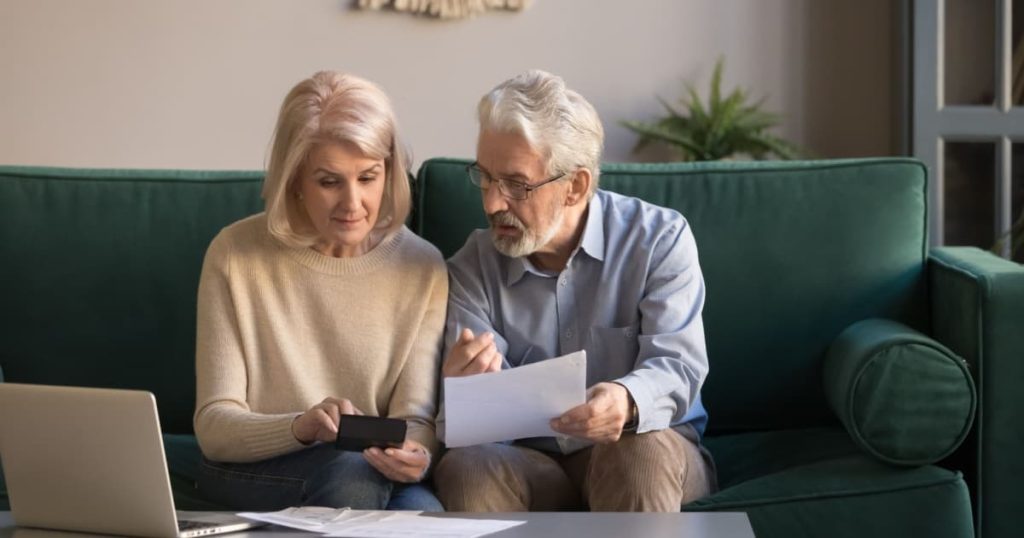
797, 482
746, 456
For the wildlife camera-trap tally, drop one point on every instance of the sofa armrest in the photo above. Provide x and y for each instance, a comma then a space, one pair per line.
977, 310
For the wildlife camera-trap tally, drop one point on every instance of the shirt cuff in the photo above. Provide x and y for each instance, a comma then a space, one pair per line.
641, 397
632, 415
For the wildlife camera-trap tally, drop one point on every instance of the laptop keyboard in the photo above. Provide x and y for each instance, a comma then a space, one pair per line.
186, 525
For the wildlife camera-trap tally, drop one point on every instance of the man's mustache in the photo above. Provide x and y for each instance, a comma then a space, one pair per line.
505, 218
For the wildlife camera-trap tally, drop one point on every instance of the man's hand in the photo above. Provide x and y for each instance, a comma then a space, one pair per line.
406, 464
472, 355
320, 423
601, 418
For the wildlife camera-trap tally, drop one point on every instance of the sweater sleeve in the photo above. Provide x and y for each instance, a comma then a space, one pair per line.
225, 426
415, 396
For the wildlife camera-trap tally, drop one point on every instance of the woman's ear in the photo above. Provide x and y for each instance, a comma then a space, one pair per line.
579, 187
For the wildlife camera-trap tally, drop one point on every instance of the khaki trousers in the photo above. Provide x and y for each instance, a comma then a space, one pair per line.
650, 472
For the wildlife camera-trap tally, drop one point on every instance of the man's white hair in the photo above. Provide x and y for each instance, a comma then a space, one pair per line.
557, 122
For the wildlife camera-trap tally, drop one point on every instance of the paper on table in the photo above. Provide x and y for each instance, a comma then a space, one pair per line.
377, 523
515, 403
412, 526
322, 520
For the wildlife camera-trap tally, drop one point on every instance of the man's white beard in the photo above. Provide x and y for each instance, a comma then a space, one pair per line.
528, 241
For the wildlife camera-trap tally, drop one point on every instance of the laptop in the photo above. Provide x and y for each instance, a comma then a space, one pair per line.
92, 460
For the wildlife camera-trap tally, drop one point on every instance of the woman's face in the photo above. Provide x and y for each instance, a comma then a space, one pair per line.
341, 189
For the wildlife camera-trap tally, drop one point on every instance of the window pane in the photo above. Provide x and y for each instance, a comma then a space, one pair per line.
970, 52
1017, 64
969, 197
1017, 201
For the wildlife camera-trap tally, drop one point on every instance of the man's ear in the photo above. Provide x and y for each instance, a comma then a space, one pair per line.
579, 187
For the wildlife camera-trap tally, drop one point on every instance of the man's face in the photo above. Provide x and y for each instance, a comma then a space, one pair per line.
518, 227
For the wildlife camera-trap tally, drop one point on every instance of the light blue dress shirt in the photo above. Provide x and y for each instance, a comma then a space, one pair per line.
631, 295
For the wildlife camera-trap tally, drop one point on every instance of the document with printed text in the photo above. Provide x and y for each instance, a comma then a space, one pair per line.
413, 526
345, 522
321, 519
515, 403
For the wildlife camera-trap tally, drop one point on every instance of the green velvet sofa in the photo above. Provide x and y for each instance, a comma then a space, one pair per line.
862, 384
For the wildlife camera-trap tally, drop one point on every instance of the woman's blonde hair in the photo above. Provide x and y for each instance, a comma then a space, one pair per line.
332, 107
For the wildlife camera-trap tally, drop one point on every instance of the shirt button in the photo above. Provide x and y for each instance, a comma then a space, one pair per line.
629, 332
568, 334
563, 281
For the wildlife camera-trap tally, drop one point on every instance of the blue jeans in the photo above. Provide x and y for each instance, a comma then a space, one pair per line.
317, 476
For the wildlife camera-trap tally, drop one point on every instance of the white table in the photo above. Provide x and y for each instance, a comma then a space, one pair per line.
556, 524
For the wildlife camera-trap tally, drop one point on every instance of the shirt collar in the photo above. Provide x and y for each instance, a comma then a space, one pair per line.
517, 268
592, 243
593, 234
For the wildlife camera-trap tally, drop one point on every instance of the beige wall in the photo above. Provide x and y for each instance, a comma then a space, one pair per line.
196, 83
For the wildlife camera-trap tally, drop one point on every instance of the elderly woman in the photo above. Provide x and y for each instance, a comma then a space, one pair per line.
321, 306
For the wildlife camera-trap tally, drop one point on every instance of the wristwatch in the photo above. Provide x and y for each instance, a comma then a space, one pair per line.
634, 417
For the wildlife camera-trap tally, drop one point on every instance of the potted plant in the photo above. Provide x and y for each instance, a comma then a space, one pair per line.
725, 127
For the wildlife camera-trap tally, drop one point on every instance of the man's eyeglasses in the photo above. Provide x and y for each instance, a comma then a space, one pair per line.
510, 188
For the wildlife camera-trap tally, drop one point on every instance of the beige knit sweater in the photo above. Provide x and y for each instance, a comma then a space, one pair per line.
281, 328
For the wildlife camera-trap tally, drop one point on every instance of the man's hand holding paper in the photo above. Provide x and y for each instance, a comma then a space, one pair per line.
515, 403
601, 418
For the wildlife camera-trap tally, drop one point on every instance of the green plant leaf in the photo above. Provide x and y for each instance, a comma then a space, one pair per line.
997, 247
715, 101
1018, 227
716, 128
755, 111
1014, 235
725, 122
776, 146
755, 120
642, 141
690, 149
1016, 244
696, 109
670, 109
1017, 233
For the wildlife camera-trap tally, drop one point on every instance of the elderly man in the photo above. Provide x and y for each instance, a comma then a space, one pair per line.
563, 267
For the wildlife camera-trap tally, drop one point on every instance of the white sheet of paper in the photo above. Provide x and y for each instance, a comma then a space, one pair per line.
515, 403
378, 523
323, 520
431, 527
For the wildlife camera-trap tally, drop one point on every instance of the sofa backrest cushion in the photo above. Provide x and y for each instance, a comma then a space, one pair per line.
792, 253
99, 273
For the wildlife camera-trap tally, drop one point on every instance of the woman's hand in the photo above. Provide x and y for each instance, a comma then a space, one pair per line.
406, 464
320, 423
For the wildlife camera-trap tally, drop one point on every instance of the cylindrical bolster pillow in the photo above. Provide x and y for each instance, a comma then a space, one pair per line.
904, 398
